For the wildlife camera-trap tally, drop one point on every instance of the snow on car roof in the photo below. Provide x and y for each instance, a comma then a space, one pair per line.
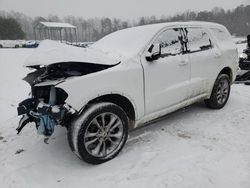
129, 42
57, 24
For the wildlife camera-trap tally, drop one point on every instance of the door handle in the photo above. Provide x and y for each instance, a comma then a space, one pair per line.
183, 62
217, 54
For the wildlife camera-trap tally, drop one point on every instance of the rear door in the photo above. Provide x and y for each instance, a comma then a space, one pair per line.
202, 60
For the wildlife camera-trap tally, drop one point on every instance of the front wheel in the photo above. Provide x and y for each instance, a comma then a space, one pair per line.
99, 133
220, 93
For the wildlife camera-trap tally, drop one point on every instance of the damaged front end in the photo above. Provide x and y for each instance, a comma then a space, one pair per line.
46, 106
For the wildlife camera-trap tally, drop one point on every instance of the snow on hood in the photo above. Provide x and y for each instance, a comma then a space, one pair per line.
51, 52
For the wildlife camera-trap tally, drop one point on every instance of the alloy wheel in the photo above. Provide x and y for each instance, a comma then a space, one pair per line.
103, 135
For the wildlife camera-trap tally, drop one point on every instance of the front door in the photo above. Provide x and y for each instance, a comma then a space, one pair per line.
167, 78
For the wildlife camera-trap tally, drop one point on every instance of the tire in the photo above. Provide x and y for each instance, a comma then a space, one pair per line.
16, 46
1, 46
220, 93
99, 133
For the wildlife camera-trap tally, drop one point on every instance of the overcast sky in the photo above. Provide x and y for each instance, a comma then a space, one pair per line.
125, 9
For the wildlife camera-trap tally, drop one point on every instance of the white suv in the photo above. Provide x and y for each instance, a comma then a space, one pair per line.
125, 80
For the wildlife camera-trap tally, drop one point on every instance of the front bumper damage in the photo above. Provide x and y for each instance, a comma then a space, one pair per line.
46, 111
46, 106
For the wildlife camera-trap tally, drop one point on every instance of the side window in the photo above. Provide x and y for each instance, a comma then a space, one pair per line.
170, 42
220, 34
198, 40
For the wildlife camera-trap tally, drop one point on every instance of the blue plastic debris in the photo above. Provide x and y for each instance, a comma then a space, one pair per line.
46, 126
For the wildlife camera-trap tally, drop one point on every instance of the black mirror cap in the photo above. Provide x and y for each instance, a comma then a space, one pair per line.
153, 57
149, 58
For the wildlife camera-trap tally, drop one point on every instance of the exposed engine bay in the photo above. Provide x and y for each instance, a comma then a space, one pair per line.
46, 105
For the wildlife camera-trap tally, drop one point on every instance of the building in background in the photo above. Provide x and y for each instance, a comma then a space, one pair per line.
63, 32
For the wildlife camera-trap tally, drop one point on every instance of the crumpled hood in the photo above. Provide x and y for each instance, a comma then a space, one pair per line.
51, 52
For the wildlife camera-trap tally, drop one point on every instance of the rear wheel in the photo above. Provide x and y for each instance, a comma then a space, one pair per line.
220, 93
99, 134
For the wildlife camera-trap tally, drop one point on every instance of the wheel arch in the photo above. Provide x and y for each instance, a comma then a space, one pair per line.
228, 71
119, 99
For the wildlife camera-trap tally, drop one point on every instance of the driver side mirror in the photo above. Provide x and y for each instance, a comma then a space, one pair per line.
153, 53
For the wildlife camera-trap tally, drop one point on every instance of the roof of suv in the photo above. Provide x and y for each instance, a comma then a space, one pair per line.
128, 42
188, 23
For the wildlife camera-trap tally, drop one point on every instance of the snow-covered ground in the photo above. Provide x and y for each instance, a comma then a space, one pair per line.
193, 148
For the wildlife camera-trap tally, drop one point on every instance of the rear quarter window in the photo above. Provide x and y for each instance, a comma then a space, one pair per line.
220, 34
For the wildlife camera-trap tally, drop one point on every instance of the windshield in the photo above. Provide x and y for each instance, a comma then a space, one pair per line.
127, 42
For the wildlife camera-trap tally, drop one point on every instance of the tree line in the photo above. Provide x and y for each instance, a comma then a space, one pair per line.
92, 29
10, 29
